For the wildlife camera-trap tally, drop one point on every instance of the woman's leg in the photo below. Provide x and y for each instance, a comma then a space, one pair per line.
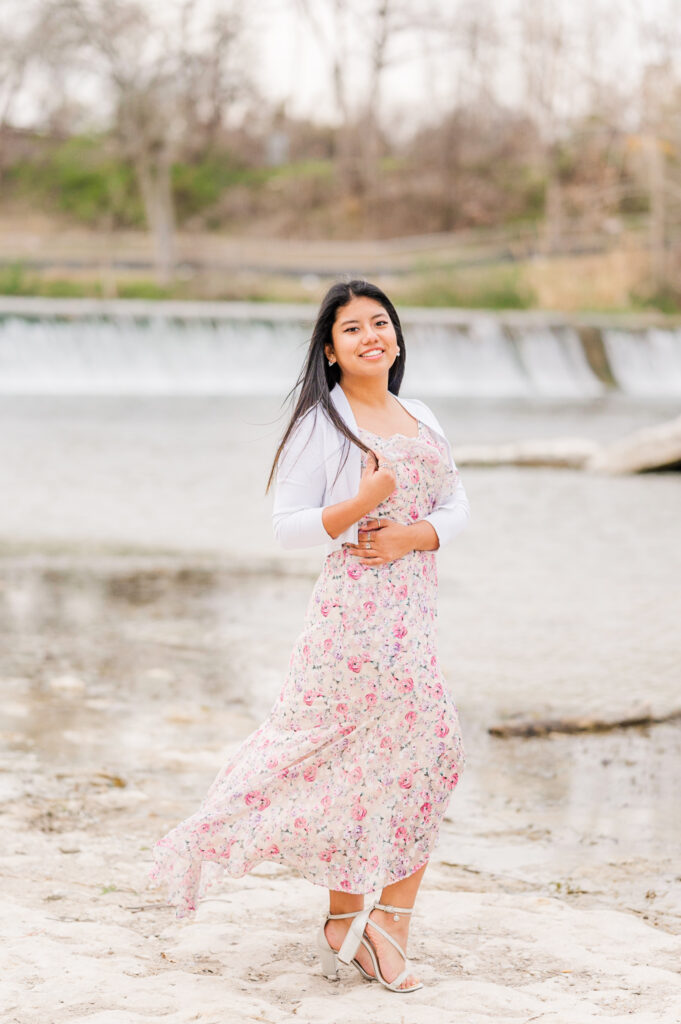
335, 931
399, 894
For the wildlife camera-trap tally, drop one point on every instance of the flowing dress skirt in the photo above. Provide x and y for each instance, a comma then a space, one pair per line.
348, 777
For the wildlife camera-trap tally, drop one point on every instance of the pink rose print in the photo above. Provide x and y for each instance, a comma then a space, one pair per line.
257, 799
342, 709
310, 773
406, 685
359, 812
300, 823
326, 802
325, 608
356, 773
355, 664
410, 717
401, 833
369, 607
370, 699
401, 593
355, 570
453, 781
346, 883
441, 729
426, 808
273, 762
326, 855
400, 631
328, 644
413, 512
405, 780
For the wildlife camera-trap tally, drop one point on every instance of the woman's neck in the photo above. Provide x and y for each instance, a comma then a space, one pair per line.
371, 394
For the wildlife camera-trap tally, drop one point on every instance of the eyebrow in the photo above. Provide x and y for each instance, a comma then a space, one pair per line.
344, 322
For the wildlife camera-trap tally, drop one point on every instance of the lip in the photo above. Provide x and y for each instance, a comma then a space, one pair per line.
372, 353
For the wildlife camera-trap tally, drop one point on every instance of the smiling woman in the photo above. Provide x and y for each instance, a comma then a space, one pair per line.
348, 778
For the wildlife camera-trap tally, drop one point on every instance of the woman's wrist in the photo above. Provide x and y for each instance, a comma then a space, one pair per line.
421, 536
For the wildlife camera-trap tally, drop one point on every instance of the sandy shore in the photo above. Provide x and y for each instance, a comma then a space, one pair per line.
84, 940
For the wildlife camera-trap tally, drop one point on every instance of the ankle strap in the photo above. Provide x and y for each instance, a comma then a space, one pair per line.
334, 917
393, 910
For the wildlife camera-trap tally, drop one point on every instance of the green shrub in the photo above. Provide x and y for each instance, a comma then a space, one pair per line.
494, 289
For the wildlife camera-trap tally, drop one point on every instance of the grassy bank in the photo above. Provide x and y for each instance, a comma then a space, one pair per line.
610, 282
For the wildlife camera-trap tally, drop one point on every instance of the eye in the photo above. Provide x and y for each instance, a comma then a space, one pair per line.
382, 323
348, 329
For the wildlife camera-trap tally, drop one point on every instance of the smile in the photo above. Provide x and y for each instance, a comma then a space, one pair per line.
373, 353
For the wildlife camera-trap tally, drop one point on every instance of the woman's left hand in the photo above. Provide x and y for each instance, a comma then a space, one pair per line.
389, 540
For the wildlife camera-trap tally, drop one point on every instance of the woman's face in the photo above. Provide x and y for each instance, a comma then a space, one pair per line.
364, 339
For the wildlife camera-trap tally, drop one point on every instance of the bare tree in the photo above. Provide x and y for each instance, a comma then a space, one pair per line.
358, 41
166, 77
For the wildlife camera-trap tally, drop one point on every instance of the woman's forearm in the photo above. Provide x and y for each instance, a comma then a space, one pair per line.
422, 536
337, 518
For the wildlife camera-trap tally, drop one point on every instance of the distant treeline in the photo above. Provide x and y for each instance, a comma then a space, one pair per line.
155, 116
467, 172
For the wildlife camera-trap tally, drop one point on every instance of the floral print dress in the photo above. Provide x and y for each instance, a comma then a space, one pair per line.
348, 777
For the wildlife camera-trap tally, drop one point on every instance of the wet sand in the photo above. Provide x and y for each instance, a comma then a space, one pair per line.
133, 663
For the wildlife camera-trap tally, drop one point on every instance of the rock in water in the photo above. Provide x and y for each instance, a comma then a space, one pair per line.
652, 448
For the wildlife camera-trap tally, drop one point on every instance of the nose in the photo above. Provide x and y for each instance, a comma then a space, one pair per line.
370, 333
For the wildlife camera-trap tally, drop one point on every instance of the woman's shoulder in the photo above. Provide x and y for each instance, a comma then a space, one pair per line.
309, 426
417, 405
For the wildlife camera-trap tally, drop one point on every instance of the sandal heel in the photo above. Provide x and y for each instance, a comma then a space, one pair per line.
329, 957
329, 961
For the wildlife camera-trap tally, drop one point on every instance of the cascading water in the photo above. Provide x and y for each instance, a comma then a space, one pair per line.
162, 349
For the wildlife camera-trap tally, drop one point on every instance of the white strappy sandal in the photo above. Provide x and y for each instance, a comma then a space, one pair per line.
329, 956
357, 935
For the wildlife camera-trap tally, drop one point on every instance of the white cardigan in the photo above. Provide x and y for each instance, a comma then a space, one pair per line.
308, 464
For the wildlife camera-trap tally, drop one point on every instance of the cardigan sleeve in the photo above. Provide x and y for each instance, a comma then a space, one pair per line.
300, 487
452, 515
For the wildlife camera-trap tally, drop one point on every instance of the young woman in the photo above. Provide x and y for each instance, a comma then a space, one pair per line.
348, 777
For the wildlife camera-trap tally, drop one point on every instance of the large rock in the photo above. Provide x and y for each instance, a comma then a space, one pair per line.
656, 447
563, 452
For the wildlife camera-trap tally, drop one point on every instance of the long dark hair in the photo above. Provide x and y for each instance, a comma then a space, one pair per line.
316, 377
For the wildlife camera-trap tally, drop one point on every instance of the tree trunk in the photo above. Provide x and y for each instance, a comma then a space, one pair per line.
156, 188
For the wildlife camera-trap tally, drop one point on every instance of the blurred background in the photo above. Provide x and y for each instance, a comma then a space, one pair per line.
179, 184
489, 153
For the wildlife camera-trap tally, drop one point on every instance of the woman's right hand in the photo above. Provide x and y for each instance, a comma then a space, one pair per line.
377, 481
